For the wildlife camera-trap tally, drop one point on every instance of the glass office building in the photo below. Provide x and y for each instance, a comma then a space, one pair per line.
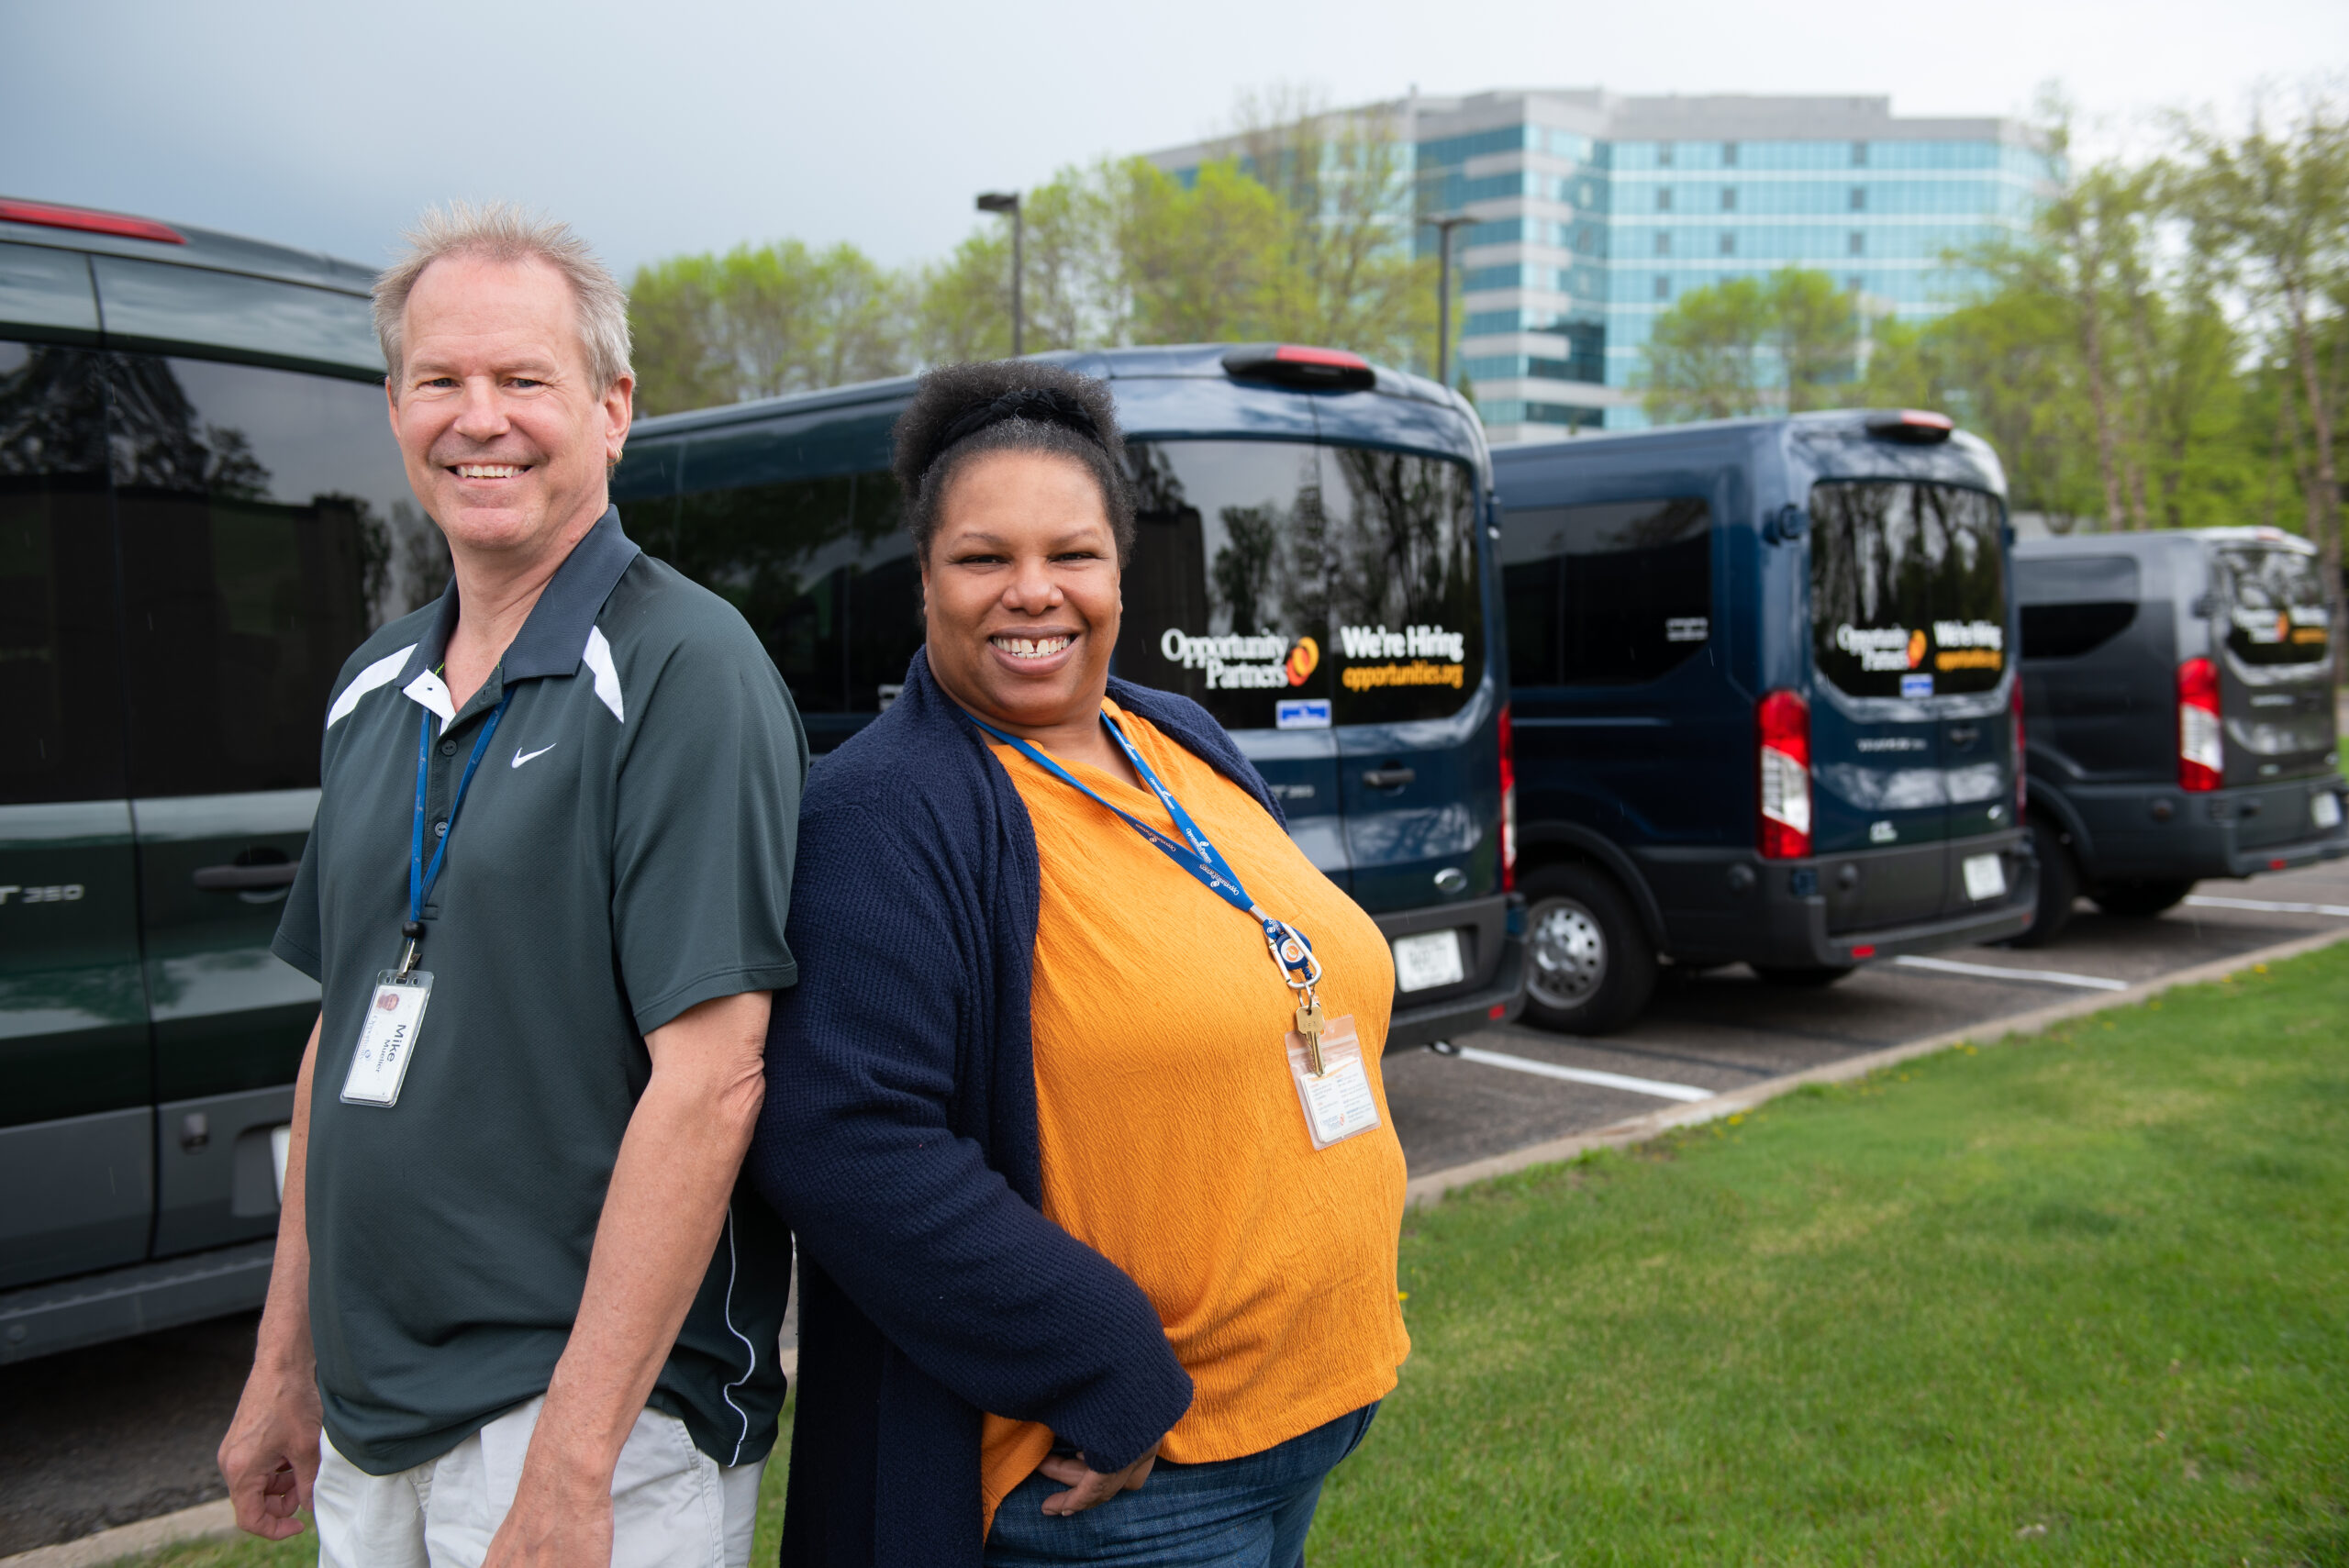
1589, 213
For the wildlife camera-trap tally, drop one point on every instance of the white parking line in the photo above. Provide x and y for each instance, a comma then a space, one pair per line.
1993, 971
1587, 1075
2266, 906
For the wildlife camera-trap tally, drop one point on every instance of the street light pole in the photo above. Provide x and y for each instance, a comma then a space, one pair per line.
1008, 201
1443, 228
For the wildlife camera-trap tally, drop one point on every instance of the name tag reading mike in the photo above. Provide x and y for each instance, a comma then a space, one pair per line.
387, 1038
1337, 1099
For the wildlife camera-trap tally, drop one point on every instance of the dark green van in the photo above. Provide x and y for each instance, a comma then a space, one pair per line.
201, 513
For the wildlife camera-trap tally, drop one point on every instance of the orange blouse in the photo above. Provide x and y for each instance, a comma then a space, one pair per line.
1168, 1121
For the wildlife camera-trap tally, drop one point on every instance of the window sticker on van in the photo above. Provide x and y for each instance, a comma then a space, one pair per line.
1908, 588
1265, 574
1235, 662
2275, 611
1436, 656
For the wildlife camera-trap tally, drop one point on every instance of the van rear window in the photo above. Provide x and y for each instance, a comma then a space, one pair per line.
1284, 584
2275, 606
1908, 588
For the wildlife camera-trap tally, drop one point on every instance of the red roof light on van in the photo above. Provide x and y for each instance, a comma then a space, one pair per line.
1298, 364
1917, 427
49, 215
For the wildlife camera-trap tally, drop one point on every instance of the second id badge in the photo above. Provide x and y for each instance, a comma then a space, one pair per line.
1338, 1100
387, 1038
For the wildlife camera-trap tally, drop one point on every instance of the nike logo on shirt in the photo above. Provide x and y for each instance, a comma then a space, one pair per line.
521, 756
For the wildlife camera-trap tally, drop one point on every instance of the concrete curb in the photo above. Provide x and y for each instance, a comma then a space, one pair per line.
1431, 1187
206, 1521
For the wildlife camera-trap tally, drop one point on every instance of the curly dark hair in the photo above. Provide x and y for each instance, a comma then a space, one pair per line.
961, 412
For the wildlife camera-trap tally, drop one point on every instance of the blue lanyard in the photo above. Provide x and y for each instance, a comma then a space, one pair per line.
421, 877
1197, 855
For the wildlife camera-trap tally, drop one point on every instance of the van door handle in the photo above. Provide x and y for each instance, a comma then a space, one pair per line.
239, 879
1390, 778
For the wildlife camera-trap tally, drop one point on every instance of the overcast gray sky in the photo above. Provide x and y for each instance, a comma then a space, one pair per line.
701, 123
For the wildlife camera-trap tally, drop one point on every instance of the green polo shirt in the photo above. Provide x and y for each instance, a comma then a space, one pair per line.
624, 852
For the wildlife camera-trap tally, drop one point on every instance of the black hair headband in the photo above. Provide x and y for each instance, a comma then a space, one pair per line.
1041, 404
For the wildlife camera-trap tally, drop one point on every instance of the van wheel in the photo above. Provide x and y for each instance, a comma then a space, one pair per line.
2059, 885
1590, 967
1815, 976
2137, 900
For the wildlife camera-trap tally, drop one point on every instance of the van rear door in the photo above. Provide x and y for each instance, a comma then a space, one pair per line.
2272, 627
1911, 742
1407, 632
77, 1148
1227, 602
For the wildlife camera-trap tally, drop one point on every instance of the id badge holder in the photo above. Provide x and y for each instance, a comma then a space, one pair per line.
1338, 1100
387, 1038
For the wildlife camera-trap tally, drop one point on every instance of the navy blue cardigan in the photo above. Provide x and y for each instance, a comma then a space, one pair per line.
898, 1139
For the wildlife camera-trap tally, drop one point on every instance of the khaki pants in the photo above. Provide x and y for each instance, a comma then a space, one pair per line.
672, 1506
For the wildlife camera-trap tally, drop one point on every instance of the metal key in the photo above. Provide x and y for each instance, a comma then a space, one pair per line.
1309, 1023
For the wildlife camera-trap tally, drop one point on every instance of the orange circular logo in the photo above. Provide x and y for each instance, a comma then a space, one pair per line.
1303, 659
1916, 648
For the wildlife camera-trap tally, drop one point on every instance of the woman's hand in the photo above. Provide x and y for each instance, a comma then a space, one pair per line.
1088, 1487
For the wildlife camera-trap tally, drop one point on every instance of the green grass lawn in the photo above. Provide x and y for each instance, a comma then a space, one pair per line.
2083, 1298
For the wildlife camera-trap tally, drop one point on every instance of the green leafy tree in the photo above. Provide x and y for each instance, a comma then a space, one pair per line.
761, 321
1702, 358
1782, 343
2271, 208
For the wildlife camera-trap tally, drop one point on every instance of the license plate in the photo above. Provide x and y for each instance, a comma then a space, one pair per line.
1985, 877
2324, 809
1427, 959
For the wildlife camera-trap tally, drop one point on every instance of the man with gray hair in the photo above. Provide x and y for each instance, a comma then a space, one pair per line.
544, 900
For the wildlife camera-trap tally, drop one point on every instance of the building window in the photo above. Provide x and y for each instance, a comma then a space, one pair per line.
1859, 154
1663, 199
1728, 198
1851, 285
1728, 155
1664, 155
1729, 244
1859, 243
1859, 198
1663, 242
1662, 286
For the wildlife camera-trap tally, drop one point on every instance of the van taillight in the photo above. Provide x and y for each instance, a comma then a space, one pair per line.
2022, 782
2201, 756
1509, 803
1783, 721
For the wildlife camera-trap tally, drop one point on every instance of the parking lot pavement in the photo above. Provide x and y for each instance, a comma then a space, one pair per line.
1725, 1028
121, 1432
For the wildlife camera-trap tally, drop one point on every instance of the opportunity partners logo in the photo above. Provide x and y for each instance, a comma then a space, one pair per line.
1241, 661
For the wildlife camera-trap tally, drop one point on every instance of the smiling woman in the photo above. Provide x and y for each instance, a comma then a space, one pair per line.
1081, 1027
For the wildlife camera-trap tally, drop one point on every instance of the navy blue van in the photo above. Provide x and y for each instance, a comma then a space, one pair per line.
1314, 564
1765, 704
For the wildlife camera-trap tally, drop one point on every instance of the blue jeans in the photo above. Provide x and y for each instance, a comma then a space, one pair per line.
1251, 1512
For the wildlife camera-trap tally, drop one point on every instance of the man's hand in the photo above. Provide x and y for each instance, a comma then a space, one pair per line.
1088, 1487
558, 1521
270, 1458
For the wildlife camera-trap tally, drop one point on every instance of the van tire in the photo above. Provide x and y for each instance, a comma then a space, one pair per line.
1601, 967
2139, 900
1817, 976
2059, 885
